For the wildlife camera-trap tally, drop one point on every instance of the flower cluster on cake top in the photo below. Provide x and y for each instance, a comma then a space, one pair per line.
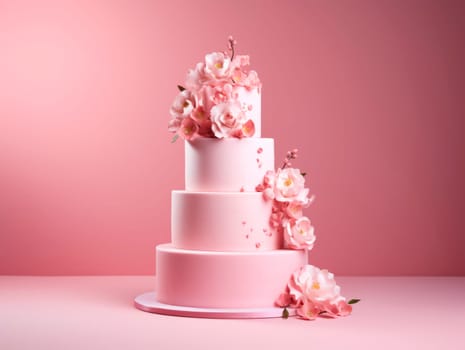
209, 104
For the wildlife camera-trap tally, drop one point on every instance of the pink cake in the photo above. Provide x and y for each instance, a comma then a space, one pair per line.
239, 240
224, 252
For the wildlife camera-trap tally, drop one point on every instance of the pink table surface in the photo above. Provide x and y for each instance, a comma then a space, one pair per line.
98, 313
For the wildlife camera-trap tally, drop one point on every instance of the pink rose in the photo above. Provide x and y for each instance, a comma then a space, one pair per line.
217, 65
189, 129
289, 186
299, 234
183, 104
227, 119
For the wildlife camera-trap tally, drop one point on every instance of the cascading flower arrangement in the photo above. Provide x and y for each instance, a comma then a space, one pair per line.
286, 187
311, 291
208, 105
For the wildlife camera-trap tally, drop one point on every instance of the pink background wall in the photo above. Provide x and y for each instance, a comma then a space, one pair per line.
371, 92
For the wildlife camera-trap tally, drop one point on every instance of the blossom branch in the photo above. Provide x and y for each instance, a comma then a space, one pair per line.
289, 156
231, 43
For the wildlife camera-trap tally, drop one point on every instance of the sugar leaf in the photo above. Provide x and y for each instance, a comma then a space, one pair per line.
353, 301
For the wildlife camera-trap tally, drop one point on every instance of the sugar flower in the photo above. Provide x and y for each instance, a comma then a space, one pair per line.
299, 234
314, 292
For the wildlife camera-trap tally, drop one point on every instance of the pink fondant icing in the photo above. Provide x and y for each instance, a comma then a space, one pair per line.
223, 279
227, 164
221, 220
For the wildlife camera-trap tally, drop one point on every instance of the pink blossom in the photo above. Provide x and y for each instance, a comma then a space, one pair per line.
248, 129
174, 124
336, 308
211, 96
227, 119
313, 292
290, 186
217, 65
203, 121
285, 299
251, 80
316, 285
189, 129
276, 218
240, 61
267, 185
308, 310
196, 77
299, 234
269, 178
294, 210
183, 104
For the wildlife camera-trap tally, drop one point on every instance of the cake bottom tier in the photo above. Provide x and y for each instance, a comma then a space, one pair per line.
213, 279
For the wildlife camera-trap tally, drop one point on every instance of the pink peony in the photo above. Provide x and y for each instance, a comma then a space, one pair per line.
289, 186
227, 119
299, 234
314, 292
217, 65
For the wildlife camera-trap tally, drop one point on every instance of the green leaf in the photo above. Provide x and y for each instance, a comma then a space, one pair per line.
181, 88
303, 174
175, 137
353, 301
285, 313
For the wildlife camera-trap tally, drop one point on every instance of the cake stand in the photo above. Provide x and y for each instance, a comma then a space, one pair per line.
148, 302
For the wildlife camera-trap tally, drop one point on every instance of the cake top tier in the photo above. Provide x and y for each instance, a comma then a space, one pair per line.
219, 99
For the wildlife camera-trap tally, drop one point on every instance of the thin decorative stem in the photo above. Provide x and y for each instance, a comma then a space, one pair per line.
290, 155
232, 42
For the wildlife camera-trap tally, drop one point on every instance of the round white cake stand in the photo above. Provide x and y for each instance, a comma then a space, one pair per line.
148, 302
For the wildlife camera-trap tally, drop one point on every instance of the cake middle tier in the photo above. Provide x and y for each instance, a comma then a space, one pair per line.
222, 221
231, 165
